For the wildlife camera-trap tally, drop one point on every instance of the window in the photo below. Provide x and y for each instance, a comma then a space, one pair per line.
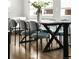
47, 11
65, 7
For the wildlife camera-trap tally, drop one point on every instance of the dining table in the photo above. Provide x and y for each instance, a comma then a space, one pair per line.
65, 25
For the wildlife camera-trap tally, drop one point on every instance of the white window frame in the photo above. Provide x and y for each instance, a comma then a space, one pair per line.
67, 5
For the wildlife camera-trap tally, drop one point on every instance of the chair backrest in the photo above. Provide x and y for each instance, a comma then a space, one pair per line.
12, 23
34, 26
8, 18
23, 25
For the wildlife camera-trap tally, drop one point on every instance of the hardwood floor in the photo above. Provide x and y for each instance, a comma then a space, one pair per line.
19, 52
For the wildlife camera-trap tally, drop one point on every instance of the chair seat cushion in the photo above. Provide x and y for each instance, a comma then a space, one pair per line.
27, 32
17, 30
40, 35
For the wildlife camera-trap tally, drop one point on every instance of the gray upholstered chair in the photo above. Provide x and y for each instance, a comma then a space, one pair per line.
23, 29
38, 33
12, 27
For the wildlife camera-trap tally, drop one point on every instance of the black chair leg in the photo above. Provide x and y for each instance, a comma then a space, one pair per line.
41, 43
15, 36
37, 47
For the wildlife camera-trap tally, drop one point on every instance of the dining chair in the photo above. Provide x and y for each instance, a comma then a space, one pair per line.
12, 27
38, 33
23, 27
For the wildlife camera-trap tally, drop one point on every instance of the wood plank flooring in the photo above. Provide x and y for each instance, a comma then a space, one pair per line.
19, 52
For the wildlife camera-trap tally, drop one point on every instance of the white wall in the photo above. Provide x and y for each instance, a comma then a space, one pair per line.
26, 9
16, 8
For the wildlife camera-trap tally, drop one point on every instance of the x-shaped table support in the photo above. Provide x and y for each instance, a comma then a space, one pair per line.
53, 37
